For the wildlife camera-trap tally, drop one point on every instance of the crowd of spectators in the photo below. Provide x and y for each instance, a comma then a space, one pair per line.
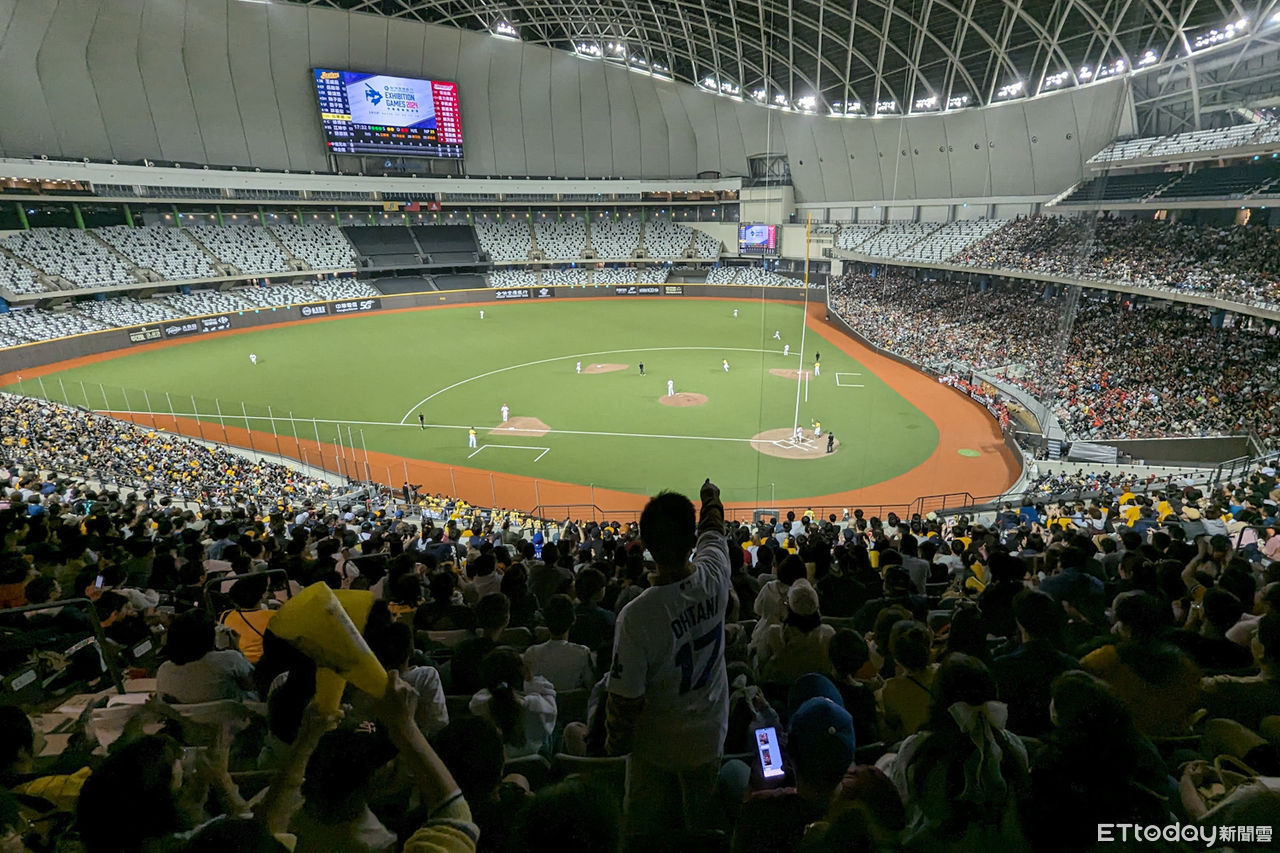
1124, 370
60, 437
1237, 263
919, 683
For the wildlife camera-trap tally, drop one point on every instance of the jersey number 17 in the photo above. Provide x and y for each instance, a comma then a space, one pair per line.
692, 652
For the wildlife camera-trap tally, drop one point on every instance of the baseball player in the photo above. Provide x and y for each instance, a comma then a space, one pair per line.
777, 334
735, 312
579, 367
671, 387
253, 358
505, 412
422, 421
817, 429
786, 349
481, 313
471, 437
725, 362
817, 368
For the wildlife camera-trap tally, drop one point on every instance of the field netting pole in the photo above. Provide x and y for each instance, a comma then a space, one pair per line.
274, 430
453, 482
368, 473
222, 423
65, 398
319, 446
85, 394
342, 456
804, 324
196, 414
493, 493
147, 399
45, 394
106, 406
171, 414
245, 413
297, 445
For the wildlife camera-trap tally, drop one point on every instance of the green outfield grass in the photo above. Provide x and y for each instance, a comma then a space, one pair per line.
376, 372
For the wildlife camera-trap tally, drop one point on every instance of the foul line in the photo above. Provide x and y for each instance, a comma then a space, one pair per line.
206, 418
582, 355
545, 450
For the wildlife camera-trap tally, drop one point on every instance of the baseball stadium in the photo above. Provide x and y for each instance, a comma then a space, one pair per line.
698, 425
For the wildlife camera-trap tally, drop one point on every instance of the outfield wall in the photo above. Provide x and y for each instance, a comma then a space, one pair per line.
29, 356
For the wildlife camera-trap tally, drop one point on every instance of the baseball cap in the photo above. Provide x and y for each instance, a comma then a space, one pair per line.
821, 742
802, 599
809, 686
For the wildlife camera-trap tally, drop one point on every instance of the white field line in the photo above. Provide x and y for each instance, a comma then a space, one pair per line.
304, 421
545, 450
577, 357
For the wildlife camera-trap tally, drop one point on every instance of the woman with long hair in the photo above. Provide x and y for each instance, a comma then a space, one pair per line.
523, 708
961, 775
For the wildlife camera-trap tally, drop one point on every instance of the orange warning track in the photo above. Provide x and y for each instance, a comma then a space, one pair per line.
962, 424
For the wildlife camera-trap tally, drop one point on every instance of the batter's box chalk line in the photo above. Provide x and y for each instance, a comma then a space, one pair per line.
545, 450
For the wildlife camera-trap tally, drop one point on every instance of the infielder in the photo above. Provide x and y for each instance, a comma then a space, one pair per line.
777, 334
725, 362
253, 357
471, 437
786, 349
505, 412
817, 368
579, 367
671, 387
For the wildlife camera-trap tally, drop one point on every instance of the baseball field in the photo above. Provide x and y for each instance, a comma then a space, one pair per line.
395, 396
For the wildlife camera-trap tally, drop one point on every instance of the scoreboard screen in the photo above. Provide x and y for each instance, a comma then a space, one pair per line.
757, 239
383, 115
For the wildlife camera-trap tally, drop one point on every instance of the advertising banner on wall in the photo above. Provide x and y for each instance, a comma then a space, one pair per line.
142, 334
524, 293
345, 306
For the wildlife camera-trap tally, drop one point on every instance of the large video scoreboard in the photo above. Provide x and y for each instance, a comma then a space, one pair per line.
383, 115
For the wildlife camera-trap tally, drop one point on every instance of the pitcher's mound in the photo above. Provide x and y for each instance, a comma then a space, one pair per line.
522, 426
603, 368
782, 443
790, 374
684, 398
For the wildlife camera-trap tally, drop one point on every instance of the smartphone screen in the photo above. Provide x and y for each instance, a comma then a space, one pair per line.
98, 583
770, 754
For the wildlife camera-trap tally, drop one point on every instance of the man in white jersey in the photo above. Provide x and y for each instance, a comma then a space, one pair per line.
505, 412
668, 703
671, 387
253, 357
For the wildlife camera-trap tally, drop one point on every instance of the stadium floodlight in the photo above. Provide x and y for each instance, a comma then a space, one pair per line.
759, 94
807, 103
929, 103
780, 100
956, 102
889, 106
1148, 58
1085, 73
503, 29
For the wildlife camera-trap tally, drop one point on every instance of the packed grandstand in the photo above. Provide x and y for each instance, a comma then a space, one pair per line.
208, 647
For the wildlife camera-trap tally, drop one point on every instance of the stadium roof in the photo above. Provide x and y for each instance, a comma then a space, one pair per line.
857, 56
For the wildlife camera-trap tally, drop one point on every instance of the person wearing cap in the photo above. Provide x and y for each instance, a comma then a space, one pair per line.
820, 751
799, 644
